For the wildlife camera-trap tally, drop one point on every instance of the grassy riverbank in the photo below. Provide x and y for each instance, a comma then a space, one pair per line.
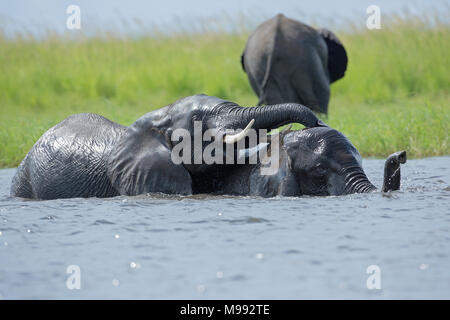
394, 96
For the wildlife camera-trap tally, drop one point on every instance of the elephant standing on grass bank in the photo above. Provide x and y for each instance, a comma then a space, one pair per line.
87, 155
288, 61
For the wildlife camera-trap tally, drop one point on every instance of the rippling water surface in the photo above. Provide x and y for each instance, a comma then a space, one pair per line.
205, 247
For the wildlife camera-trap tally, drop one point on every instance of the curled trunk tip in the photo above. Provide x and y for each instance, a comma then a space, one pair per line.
391, 180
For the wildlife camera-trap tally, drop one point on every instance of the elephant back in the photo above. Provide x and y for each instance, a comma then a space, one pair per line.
69, 160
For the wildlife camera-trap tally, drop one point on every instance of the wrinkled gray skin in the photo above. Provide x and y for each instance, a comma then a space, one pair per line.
69, 160
288, 61
87, 155
317, 161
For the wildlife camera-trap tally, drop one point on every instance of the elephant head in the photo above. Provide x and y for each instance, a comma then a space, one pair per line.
141, 161
321, 161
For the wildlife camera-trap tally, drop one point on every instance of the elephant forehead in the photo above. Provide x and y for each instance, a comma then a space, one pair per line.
323, 142
341, 150
315, 139
347, 155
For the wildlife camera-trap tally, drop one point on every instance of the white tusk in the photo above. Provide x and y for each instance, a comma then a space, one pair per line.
230, 139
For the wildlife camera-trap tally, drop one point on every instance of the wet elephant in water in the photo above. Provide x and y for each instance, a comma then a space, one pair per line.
288, 61
87, 155
318, 161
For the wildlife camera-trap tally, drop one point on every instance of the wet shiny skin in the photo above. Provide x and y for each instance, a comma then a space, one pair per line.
234, 247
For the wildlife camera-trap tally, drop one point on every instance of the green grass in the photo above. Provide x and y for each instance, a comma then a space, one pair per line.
395, 94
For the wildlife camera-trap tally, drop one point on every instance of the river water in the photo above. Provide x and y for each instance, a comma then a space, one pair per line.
204, 247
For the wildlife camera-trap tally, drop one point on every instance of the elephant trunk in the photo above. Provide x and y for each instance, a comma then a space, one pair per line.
356, 180
392, 171
271, 117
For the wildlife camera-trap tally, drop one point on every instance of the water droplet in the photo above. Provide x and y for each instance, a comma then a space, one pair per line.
423, 266
0, 233
134, 265
201, 288
115, 282
116, 236
219, 214
259, 256
219, 274
28, 230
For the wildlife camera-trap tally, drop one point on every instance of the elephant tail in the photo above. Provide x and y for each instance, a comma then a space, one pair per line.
270, 59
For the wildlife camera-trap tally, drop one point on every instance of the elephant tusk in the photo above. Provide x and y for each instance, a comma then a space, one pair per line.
230, 139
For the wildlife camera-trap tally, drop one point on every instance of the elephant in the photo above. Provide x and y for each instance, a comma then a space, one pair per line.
288, 61
317, 161
87, 155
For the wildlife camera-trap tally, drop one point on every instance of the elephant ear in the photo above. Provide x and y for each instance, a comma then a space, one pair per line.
337, 56
141, 163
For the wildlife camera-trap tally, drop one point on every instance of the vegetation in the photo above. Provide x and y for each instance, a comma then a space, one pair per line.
395, 94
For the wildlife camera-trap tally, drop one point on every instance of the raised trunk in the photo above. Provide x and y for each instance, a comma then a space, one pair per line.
392, 171
356, 180
268, 117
